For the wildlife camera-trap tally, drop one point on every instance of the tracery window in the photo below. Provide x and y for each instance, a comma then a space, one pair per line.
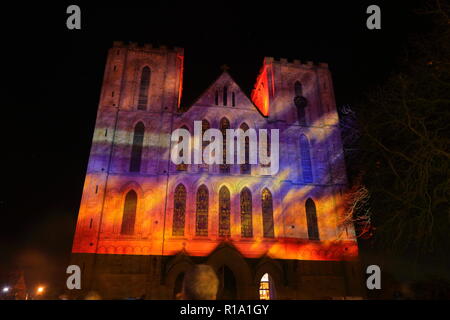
224, 212
246, 214
179, 211
305, 159
202, 211
267, 213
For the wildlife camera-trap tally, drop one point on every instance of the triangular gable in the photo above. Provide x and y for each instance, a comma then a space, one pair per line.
208, 97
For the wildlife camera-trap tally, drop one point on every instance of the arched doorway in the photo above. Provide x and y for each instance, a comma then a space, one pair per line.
227, 284
266, 288
178, 285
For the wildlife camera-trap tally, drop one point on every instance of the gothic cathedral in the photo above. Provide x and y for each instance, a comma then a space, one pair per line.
144, 220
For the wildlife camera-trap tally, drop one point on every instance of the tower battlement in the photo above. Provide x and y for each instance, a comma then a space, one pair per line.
146, 47
294, 62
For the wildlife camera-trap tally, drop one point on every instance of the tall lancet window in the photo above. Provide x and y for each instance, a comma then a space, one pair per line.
305, 159
225, 95
205, 126
246, 168
143, 88
224, 212
136, 149
300, 103
246, 213
129, 213
224, 125
267, 213
311, 220
179, 210
182, 166
202, 211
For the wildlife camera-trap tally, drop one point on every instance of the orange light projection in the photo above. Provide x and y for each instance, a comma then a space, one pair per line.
260, 93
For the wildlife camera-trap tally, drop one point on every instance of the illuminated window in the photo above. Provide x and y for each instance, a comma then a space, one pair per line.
311, 220
136, 149
224, 124
225, 95
202, 211
266, 291
246, 168
246, 214
267, 213
224, 212
143, 88
179, 210
182, 166
129, 213
305, 159
205, 126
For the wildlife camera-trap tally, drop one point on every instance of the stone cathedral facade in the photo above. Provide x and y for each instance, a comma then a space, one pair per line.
144, 220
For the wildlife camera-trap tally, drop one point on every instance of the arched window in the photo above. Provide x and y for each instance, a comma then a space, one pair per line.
202, 211
266, 288
205, 126
246, 214
182, 166
179, 210
224, 212
267, 213
300, 103
129, 213
305, 159
224, 125
225, 95
246, 168
311, 220
233, 100
143, 88
136, 149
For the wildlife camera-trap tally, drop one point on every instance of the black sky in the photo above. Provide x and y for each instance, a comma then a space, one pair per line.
53, 79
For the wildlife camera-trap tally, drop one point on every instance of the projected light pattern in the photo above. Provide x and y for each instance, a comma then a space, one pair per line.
137, 202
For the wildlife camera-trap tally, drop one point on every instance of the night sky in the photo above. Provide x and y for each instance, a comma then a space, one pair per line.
54, 75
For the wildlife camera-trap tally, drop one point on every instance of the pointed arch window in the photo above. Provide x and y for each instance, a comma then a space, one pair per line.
143, 88
205, 126
245, 167
224, 212
300, 103
129, 213
306, 159
136, 149
267, 213
311, 220
179, 211
233, 99
246, 214
225, 95
224, 125
182, 166
266, 288
202, 211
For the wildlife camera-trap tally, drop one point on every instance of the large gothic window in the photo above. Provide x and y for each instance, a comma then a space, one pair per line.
136, 149
267, 213
129, 213
143, 88
202, 211
305, 159
224, 212
179, 211
182, 166
300, 102
246, 214
311, 220
246, 168
224, 125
